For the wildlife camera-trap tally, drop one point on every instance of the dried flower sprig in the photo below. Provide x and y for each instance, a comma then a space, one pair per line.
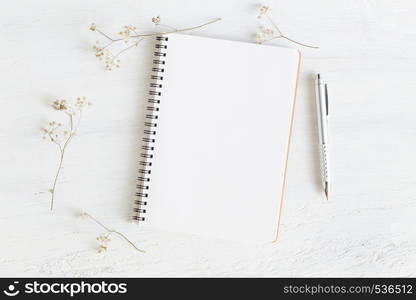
267, 34
61, 135
104, 239
131, 38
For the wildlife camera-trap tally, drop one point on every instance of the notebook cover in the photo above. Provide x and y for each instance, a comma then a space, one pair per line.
218, 131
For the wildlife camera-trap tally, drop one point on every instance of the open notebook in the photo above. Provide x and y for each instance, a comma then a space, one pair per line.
216, 139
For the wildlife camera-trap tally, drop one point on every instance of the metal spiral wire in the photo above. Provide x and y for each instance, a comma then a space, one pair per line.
150, 130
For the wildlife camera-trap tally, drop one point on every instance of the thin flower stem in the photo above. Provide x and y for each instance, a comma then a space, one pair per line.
71, 121
111, 231
127, 48
274, 24
168, 26
291, 40
55, 142
56, 179
103, 34
126, 239
98, 222
62, 138
299, 43
132, 38
162, 32
59, 168
108, 45
281, 35
62, 152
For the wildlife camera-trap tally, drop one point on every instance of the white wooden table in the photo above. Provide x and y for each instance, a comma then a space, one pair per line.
368, 56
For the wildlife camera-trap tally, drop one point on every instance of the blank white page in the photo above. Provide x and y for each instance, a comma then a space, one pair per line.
222, 138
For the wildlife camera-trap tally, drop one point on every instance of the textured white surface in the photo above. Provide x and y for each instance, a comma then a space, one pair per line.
367, 228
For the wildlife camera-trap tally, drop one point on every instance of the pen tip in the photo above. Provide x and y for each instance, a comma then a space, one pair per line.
327, 190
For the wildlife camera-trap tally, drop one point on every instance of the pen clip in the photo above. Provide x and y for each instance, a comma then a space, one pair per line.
326, 100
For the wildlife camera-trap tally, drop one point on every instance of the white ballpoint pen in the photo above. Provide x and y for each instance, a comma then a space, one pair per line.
322, 116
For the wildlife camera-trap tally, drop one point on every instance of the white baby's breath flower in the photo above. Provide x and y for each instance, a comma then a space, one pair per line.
104, 239
259, 38
265, 34
127, 32
263, 10
273, 32
267, 30
59, 105
131, 37
156, 20
60, 133
83, 215
102, 248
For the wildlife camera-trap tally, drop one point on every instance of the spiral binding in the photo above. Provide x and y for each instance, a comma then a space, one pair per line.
147, 148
